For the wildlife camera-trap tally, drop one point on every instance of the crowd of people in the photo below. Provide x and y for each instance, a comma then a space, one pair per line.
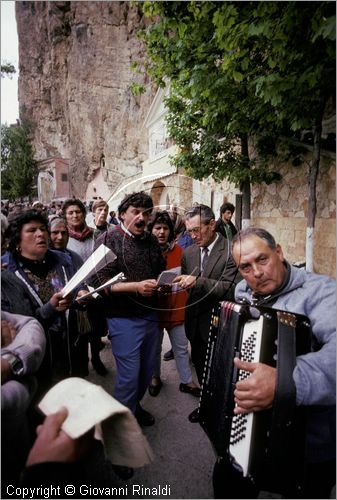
45, 337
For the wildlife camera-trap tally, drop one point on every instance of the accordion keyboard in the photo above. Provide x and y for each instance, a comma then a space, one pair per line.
242, 424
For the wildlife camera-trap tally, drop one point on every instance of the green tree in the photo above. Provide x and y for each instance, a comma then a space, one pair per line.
212, 114
18, 168
241, 71
295, 43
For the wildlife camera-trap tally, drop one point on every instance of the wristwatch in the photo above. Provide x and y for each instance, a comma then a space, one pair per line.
14, 362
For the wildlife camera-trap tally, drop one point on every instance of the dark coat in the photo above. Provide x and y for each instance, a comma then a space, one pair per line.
217, 283
66, 352
220, 227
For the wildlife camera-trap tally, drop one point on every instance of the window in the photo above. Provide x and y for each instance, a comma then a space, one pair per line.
64, 177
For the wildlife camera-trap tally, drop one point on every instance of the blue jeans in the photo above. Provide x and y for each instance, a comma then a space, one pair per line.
133, 343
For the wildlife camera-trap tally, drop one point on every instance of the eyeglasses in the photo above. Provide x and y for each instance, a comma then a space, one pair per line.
194, 230
197, 229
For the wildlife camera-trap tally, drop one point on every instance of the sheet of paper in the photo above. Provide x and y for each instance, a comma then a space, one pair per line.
93, 291
101, 257
166, 277
89, 405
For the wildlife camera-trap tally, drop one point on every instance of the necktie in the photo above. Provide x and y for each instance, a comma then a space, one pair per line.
204, 258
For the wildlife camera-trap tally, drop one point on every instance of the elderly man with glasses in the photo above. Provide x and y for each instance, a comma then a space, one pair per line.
209, 274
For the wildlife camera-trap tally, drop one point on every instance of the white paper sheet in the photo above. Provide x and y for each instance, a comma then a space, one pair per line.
90, 405
101, 257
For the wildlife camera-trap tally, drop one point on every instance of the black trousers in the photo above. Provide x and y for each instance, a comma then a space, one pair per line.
228, 482
198, 355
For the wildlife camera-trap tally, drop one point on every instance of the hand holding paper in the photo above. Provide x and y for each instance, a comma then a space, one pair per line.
119, 277
99, 259
167, 277
89, 405
54, 445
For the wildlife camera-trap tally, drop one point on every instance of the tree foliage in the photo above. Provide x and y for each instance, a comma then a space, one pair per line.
210, 110
18, 168
238, 71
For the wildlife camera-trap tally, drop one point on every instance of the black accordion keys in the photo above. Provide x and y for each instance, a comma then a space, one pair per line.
265, 442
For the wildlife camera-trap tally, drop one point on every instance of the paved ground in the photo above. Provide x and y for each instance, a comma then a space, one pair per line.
184, 457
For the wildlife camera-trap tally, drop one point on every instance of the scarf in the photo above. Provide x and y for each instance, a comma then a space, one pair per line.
87, 232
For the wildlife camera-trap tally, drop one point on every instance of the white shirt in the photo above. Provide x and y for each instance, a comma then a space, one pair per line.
210, 247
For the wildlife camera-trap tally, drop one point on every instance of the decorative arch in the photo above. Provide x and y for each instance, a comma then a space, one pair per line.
160, 196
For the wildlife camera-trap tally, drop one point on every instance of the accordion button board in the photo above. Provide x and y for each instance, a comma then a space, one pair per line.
254, 336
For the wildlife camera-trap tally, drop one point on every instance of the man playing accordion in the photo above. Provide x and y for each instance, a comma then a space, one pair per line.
269, 280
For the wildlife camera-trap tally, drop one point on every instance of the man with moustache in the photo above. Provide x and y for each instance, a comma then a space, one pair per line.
210, 274
131, 306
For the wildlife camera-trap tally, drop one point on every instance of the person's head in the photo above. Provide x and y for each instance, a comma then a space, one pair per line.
226, 212
100, 209
179, 225
58, 233
4, 227
37, 205
200, 224
74, 212
134, 211
259, 259
161, 227
16, 209
28, 234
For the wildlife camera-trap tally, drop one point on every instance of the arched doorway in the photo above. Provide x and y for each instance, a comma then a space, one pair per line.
160, 196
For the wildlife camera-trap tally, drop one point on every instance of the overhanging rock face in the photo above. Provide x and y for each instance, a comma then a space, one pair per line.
74, 87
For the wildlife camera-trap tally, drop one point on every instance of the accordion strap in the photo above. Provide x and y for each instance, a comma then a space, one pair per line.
285, 396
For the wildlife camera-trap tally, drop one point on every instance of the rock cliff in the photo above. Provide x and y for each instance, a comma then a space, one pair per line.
74, 86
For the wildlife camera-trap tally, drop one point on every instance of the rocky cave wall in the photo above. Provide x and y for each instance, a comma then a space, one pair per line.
74, 86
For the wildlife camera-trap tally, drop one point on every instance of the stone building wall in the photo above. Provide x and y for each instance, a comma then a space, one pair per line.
282, 209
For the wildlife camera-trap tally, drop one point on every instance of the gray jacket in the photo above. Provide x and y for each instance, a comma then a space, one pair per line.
30, 341
29, 345
216, 283
314, 296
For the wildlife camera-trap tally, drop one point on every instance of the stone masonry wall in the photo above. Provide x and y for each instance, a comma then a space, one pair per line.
282, 209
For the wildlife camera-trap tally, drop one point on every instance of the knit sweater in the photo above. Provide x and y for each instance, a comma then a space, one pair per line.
139, 259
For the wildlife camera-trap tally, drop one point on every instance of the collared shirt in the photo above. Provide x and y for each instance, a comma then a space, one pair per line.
209, 247
228, 231
126, 230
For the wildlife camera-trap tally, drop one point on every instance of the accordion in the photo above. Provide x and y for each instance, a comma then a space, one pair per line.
267, 443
